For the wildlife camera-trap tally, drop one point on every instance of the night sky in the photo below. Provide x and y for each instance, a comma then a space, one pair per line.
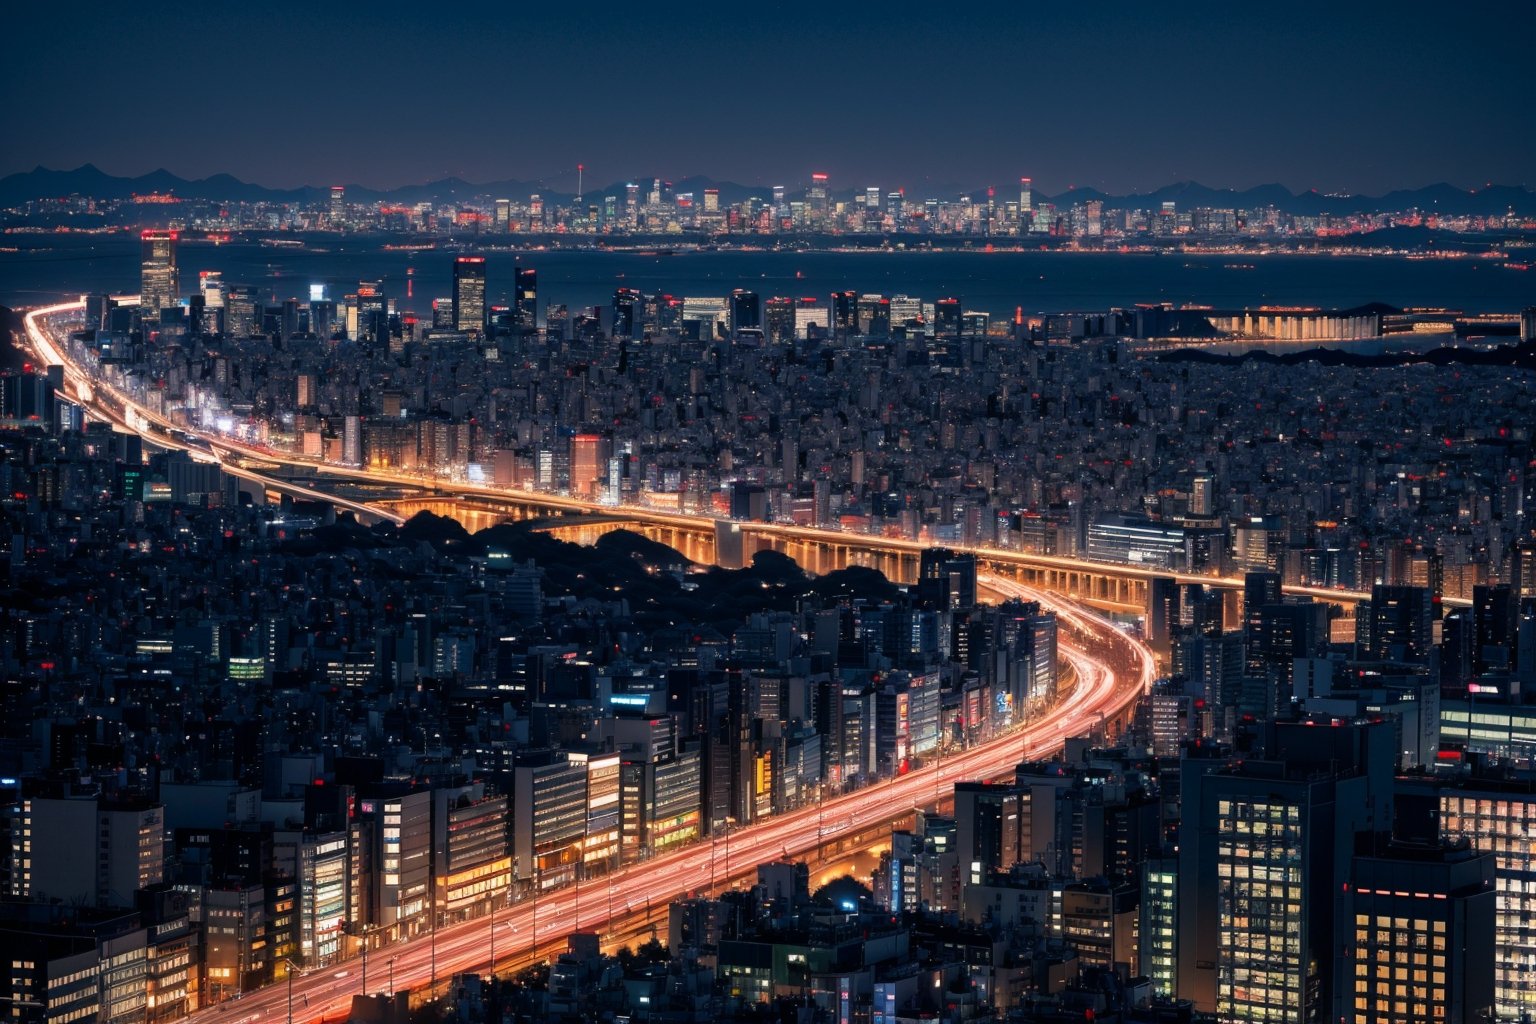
1339, 96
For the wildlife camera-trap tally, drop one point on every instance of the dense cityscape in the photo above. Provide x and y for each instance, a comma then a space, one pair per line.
701, 209
861, 586
305, 734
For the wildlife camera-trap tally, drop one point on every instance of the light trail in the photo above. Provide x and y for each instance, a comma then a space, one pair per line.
1112, 670
641, 514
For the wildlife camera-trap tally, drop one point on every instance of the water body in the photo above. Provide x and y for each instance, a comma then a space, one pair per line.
50, 267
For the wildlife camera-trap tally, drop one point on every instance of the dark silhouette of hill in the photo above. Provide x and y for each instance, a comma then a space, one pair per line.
624, 565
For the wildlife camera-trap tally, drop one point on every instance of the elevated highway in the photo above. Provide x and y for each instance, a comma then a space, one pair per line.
1110, 671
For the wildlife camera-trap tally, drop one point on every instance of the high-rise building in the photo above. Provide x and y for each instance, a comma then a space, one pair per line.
1395, 625
779, 319
845, 314
1497, 814
1423, 923
628, 311
1264, 851
469, 294
946, 318
525, 300
125, 851
874, 316
1160, 925
746, 311
240, 303
589, 464
471, 861
159, 282
947, 578
396, 828
550, 818
1495, 627
338, 210
817, 198
1202, 495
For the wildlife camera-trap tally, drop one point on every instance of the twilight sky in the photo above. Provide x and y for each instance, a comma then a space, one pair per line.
1339, 96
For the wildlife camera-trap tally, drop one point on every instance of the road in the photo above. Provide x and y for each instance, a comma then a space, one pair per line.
226, 450
1111, 668
111, 406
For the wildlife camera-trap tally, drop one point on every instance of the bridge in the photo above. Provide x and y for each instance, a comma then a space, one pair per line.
1112, 587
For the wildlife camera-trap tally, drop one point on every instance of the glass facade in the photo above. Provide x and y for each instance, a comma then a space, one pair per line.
1261, 973
1504, 825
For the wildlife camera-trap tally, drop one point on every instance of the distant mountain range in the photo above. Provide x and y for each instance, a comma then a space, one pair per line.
88, 180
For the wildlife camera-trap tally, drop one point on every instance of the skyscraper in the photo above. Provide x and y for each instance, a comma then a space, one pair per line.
626, 301
746, 310
1498, 814
845, 314
1423, 927
159, 284
469, 294
525, 299
1395, 625
817, 199
946, 318
1264, 850
338, 212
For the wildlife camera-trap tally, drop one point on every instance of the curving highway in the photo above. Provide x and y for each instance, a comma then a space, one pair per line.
1112, 670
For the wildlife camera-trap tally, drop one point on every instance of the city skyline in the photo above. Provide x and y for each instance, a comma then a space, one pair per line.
1128, 101
857, 514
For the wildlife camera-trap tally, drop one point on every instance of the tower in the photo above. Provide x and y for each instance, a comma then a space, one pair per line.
159, 284
525, 299
746, 310
625, 302
469, 294
1264, 849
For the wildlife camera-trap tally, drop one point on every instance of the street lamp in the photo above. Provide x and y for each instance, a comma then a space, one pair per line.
292, 969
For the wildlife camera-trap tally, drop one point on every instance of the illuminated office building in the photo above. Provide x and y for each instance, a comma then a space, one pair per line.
845, 314
817, 199
1498, 815
471, 862
589, 463
1264, 844
1160, 925
1423, 936
549, 804
628, 311
159, 282
525, 302
469, 294
600, 848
